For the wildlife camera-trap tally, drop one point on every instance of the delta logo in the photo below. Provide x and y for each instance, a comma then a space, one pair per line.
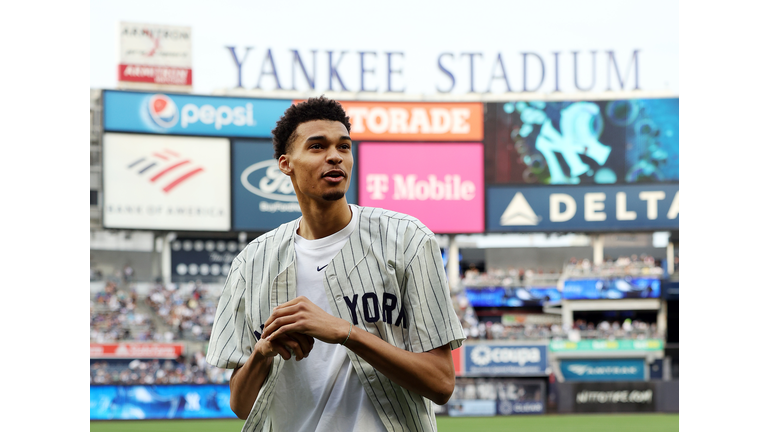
166, 168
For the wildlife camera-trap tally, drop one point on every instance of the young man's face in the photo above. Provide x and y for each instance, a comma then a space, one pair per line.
319, 160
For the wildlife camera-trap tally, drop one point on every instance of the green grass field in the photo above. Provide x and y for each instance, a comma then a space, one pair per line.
546, 423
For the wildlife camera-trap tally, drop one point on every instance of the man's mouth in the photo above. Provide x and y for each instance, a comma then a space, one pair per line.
334, 174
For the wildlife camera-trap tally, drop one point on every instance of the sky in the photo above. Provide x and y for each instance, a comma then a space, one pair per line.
421, 32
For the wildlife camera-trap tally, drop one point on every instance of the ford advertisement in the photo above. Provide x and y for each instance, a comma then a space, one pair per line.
180, 114
505, 359
263, 196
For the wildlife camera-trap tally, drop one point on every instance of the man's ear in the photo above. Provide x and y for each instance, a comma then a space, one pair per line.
285, 165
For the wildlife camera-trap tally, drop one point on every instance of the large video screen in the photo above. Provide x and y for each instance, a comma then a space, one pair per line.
611, 288
583, 142
143, 402
512, 296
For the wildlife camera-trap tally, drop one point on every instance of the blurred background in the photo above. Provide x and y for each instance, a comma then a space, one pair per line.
539, 141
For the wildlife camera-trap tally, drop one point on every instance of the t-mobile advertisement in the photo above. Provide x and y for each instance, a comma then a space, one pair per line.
440, 184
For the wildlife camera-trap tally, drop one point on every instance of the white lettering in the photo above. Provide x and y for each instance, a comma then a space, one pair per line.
555, 200
398, 120
378, 120
621, 208
356, 116
652, 199
223, 116
189, 114
593, 204
207, 114
460, 125
404, 189
420, 121
376, 185
674, 208
441, 120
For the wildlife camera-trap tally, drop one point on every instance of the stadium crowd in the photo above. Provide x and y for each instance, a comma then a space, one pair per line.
187, 308
643, 265
192, 369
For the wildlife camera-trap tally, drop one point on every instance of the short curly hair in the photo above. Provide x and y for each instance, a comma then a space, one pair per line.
320, 108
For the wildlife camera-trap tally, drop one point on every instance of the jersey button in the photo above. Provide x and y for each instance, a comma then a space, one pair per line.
332, 277
338, 298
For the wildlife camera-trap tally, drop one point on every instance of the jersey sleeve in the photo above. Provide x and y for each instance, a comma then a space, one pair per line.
433, 321
232, 339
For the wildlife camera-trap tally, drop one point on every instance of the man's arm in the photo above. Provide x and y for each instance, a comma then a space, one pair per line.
430, 373
246, 380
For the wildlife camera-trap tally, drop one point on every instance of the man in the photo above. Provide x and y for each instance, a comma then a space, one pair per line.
340, 320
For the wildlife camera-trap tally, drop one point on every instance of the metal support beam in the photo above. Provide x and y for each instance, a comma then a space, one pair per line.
453, 263
598, 245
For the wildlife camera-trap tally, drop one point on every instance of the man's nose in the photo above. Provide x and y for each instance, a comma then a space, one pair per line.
334, 157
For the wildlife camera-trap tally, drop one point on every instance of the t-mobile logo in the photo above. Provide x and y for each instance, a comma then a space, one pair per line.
450, 188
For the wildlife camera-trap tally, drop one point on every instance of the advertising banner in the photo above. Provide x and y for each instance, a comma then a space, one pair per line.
511, 296
505, 359
152, 53
583, 208
603, 370
446, 194
496, 396
136, 350
613, 397
531, 318
671, 290
611, 288
162, 182
263, 196
582, 142
415, 121
179, 114
197, 257
178, 401
607, 345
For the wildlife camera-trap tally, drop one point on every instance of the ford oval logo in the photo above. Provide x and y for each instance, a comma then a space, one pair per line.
273, 184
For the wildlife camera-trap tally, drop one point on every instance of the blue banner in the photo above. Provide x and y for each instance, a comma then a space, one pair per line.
505, 359
182, 401
671, 290
263, 197
603, 370
582, 208
179, 114
611, 288
511, 296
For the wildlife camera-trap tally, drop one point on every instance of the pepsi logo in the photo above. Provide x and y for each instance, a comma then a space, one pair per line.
163, 111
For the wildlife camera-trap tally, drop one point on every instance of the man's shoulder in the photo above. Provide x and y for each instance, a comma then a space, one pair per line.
269, 239
393, 219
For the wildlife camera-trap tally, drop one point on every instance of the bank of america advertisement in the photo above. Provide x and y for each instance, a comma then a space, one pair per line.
177, 114
583, 208
263, 196
162, 182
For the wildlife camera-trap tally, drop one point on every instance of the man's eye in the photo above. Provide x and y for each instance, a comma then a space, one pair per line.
315, 146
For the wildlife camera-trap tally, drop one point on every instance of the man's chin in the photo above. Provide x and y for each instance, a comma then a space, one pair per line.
333, 196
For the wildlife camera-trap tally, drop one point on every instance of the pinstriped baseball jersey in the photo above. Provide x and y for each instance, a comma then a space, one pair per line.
388, 280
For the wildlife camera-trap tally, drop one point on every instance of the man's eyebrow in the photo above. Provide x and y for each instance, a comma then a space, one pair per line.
323, 137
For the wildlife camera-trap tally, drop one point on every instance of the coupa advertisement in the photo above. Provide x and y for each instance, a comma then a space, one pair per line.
583, 208
603, 370
584, 142
505, 359
263, 196
160, 402
166, 182
495, 396
446, 193
178, 114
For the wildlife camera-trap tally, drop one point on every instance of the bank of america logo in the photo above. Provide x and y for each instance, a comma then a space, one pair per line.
165, 168
519, 212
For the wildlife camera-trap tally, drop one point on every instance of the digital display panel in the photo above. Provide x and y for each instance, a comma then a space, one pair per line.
512, 296
611, 288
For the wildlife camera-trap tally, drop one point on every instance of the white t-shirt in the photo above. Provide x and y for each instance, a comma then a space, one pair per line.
321, 392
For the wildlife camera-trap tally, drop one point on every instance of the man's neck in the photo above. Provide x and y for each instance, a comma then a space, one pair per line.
320, 220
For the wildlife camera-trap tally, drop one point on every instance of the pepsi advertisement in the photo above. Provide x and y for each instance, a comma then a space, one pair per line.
583, 208
611, 288
511, 296
178, 114
263, 197
603, 370
504, 359
143, 402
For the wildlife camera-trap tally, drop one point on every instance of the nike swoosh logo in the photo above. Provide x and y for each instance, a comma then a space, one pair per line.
320, 268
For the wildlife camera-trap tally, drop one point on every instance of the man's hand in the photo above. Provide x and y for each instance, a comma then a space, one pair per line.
298, 344
304, 317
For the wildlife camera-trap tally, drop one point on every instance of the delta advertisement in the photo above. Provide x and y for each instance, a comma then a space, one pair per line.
164, 182
511, 296
148, 402
583, 208
612, 288
495, 396
263, 196
583, 142
505, 359
199, 258
603, 370
179, 114
446, 194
